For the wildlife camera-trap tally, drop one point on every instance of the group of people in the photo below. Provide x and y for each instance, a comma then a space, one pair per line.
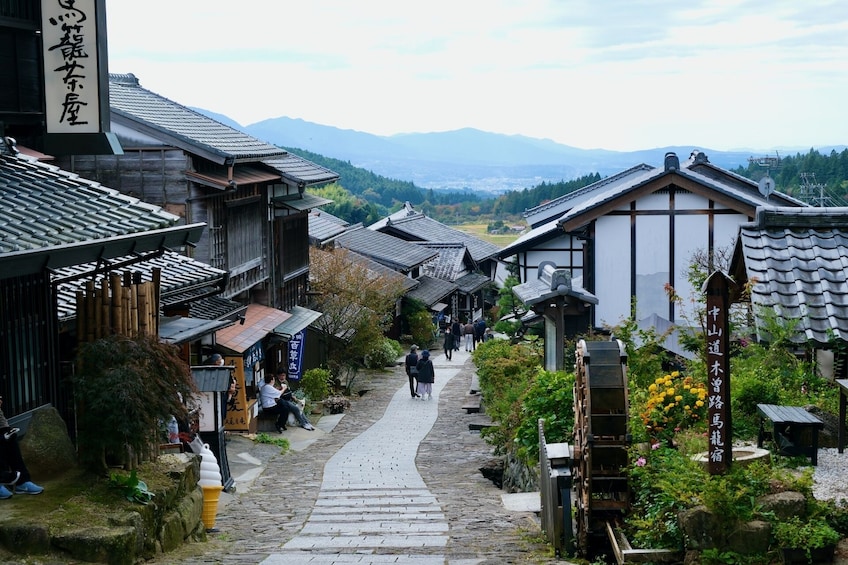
419, 370
471, 333
278, 399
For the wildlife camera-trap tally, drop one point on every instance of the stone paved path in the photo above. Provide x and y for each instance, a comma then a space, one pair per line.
395, 481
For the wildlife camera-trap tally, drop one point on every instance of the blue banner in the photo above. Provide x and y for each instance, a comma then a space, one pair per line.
296, 345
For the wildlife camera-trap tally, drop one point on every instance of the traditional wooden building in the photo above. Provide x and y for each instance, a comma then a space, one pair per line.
52, 221
250, 194
634, 234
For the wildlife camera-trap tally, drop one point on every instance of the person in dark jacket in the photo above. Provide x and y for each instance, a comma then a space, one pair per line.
449, 345
456, 330
426, 376
410, 364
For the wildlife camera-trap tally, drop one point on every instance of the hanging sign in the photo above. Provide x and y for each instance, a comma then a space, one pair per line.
295, 363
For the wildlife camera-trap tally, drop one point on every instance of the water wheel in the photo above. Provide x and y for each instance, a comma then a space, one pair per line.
601, 440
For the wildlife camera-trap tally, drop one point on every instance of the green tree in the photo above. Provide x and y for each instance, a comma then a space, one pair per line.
126, 390
357, 306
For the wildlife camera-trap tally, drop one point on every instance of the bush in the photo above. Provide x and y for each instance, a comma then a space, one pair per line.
315, 384
384, 354
125, 390
551, 397
421, 328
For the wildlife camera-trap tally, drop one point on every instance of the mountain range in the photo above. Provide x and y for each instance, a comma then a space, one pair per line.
470, 159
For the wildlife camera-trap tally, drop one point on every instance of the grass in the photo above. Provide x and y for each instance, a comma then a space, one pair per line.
479, 231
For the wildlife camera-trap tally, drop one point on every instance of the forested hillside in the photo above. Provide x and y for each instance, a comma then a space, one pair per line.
362, 196
812, 174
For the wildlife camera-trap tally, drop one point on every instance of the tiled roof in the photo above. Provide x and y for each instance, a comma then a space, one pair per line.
186, 128
386, 249
472, 282
419, 227
44, 206
555, 208
432, 290
407, 210
380, 269
552, 283
180, 277
697, 169
216, 308
797, 260
450, 264
324, 226
299, 170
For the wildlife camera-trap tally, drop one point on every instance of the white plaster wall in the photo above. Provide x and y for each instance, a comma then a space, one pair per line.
652, 265
692, 234
612, 269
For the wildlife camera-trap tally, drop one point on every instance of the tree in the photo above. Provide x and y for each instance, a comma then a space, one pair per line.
509, 306
126, 389
357, 304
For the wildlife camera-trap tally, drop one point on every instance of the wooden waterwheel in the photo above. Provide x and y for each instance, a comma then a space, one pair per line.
601, 440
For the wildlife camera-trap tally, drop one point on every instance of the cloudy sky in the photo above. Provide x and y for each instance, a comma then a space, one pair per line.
615, 74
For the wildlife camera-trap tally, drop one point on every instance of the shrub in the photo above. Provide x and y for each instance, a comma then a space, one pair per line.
551, 397
385, 353
674, 403
125, 390
315, 383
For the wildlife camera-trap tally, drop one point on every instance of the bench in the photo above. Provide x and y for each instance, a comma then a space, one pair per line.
22, 420
475, 384
788, 425
472, 403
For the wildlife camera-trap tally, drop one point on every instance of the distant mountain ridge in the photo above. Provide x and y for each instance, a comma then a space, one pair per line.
470, 159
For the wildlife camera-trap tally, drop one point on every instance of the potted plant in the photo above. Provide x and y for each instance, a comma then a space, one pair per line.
810, 541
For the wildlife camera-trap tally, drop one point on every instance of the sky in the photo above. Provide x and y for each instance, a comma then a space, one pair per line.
613, 74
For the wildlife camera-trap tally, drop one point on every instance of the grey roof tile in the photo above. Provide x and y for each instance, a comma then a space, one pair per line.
797, 259
45, 206
386, 249
418, 227
432, 290
180, 276
323, 226
299, 170
187, 127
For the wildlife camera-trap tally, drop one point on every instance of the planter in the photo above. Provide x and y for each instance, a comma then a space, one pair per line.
817, 555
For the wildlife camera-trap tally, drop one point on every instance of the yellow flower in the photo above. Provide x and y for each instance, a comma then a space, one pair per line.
678, 398
652, 388
669, 392
699, 403
675, 374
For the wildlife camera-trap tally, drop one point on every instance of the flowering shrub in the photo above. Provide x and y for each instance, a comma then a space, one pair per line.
336, 404
674, 403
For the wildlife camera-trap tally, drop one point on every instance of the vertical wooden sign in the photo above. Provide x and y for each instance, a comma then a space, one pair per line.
720, 429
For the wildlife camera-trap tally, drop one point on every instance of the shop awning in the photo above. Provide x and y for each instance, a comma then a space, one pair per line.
259, 321
438, 307
300, 319
211, 378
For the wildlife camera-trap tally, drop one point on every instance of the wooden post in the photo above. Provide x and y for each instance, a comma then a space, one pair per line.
720, 428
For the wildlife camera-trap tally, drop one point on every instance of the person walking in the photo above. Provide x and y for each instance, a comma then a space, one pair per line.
426, 376
468, 332
448, 344
410, 364
456, 330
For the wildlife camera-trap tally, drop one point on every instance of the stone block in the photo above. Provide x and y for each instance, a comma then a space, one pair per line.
101, 545
46, 447
784, 504
173, 532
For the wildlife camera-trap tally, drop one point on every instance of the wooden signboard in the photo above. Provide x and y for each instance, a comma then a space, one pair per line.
719, 429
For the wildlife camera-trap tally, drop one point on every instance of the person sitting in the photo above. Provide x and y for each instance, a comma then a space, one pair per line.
270, 399
17, 474
292, 402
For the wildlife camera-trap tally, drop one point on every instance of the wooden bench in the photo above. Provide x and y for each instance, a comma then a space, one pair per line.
788, 425
472, 403
475, 384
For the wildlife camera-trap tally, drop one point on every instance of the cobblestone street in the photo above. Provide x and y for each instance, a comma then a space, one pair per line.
395, 481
